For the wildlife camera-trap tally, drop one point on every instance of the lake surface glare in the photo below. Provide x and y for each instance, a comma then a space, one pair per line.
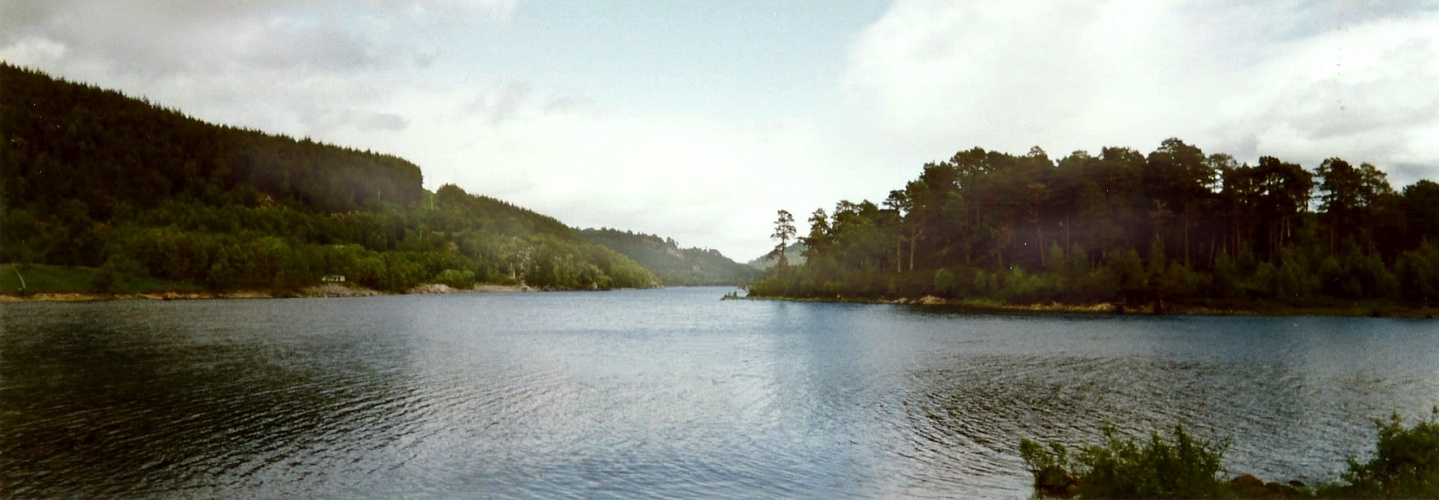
659, 393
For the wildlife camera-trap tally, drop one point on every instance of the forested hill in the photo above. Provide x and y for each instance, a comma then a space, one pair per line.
94, 178
793, 253
71, 141
675, 266
1175, 225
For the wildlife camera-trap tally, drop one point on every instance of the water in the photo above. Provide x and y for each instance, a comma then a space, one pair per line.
664, 393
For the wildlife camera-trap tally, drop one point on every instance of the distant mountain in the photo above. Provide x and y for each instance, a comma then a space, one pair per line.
794, 253
673, 265
92, 178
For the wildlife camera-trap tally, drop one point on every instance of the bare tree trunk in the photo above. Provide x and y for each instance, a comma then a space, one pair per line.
913, 240
1039, 231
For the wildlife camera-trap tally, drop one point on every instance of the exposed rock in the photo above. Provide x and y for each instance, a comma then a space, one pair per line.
502, 288
930, 300
432, 288
1247, 481
1249, 486
337, 290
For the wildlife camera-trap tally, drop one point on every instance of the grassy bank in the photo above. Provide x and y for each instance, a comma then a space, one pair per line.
40, 279
38, 282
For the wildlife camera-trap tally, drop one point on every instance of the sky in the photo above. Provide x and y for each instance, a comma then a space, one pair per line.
699, 120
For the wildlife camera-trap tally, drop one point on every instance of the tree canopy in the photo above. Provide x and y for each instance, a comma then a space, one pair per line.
1122, 226
90, 177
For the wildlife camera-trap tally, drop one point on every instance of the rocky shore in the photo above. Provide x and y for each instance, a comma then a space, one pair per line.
1160, 308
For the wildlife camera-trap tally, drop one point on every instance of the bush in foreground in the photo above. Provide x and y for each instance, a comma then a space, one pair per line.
1178, 466
1405, 465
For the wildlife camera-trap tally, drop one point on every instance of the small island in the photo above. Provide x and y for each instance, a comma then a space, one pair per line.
1173, 231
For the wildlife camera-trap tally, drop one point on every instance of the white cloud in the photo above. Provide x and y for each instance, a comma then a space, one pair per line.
434, 81
32, 51
317, 70
460, 9
701, 182
1298, 81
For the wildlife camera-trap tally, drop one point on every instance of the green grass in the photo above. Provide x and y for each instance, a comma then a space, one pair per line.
983, 303
40, 278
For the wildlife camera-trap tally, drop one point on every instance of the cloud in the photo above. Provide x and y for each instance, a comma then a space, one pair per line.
388, 122
460, 9
32, 51
501, 103
385, 77
285, 66
1302, 81
703, 182
454, 87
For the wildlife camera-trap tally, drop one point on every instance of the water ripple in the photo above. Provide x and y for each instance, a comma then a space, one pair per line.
664, 393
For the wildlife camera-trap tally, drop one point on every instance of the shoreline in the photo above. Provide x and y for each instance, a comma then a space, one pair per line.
320, 291
1111, 308
331, 290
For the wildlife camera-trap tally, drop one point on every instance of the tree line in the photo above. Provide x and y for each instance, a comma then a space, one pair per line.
1122, 226
90, 177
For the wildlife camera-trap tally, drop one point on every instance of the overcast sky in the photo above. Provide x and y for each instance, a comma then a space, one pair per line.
698, 120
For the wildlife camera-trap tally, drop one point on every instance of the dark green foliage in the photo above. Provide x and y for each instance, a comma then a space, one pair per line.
1174, 466
783, 230
1421, 208
673, 265
944, 281
1405, 463
71, 142
103, 281
40, 278
455, 278
1175, 226
1419, 273
92, 178
1050, 466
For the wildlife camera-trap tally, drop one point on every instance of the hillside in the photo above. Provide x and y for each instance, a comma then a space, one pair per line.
673, 265
92, 178
794, 254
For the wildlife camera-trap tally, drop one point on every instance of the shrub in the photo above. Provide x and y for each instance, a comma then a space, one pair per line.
1050, 466
944, 281
455, 278
1405, 463
103, 281
1178, 466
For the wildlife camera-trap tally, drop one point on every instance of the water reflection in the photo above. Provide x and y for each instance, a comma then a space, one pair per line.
1269, 384
125, 399
664, 393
